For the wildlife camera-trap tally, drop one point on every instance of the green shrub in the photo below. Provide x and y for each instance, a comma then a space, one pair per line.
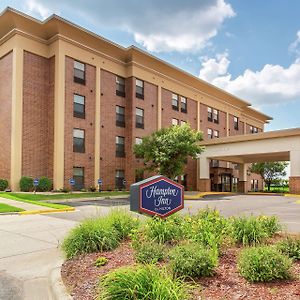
3, 184
148, 251
164, 230
26, 184
248, 230
264, 263
270, 224
92, 235
142, 282
45, 184
101, 261
192, 260
290, 247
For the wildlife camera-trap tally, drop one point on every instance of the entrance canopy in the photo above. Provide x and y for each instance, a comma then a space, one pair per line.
281, 145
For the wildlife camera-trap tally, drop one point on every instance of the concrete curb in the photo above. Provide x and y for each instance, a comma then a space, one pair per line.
46, 211
202, 195
57, 286
87, 199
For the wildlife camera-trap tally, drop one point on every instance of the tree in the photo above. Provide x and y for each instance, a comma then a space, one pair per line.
166, 151
269, 171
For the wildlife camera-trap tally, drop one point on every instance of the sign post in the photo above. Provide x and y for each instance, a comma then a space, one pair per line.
72, 183
99, 184
35, 184
156, 196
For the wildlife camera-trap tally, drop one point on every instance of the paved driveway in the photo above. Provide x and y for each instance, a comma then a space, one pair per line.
29, 245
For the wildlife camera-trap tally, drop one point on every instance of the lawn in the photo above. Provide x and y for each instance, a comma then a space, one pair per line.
278, 189
8, 208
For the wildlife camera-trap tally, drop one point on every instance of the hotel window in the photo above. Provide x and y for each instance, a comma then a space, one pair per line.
78, 176
216, 116
216, 134
138, 141
175, 103
183, 101
253, 129
254, 184
120, 146
209, 133
182, 122
120, 86
175, 121
209, 114
236, 123
79, 106
139, 89
78, 140
119, 179
139, 118
79, 72
120, 116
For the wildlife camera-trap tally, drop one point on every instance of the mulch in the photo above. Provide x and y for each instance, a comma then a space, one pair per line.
81, 277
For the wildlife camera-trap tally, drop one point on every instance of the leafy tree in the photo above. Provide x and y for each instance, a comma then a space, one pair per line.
269, 171
166, 151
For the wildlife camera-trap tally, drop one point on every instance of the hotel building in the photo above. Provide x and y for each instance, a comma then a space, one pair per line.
73, 104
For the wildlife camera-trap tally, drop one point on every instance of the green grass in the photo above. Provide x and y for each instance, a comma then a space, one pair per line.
39, 197
8, 208
278, 189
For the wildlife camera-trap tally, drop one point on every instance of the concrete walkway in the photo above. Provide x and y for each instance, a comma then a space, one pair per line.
23, 205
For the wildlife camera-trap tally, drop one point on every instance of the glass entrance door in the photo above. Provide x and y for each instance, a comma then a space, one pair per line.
226, 182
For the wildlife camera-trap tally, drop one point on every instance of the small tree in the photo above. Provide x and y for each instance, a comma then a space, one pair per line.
166, 151
269, 171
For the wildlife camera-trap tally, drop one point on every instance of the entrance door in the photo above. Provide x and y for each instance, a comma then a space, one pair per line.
226, 182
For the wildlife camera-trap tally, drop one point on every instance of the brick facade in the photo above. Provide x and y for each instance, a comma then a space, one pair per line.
5, 114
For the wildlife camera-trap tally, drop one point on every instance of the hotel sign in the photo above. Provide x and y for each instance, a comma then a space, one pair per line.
156, 195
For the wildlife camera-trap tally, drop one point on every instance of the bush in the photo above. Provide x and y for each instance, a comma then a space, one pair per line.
290, 247
164, 230
271, 224
141, 282
148, 251
101, 234
3, 184
92, 235
26, 184
45, 184
192, 260
248, 230
264, 263
101, 261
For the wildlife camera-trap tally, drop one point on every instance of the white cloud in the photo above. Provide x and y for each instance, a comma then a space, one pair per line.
295, 46
273, 84
170, 25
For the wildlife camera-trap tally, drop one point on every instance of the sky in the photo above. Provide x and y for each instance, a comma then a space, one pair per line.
250, 48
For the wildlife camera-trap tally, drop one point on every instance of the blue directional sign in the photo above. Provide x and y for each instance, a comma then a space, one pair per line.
156, 195
36, 182
100, 181
72, 181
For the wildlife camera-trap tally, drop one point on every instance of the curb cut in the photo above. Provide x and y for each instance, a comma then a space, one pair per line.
46, 211
57, 286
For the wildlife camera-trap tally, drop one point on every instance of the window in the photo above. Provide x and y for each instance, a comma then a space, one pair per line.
209, 114
78, 140
254, 184
175, 104
139, 89
119, 179
209, 133
183, 104
216, 134
216, 116
182, 122
79, 106
120, 116
78, 176
236, 123
120, 146
138, 141
79, 72
120, 86
253, 129
139, 118
175, 121
214, 163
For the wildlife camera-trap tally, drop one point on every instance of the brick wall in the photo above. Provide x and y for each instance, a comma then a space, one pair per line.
232, 131
5, 114
38, 97
73, 159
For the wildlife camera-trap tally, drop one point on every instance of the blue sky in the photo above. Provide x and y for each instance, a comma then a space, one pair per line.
250, 48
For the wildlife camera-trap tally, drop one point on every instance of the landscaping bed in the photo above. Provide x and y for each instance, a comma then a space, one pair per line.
207, 257
5, 208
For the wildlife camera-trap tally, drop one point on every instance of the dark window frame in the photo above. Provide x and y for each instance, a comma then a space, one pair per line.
120, 88
76, 148
140, 94
210, 135
209, 114
120, 147
119, 180
120, 118
216, 116
236, 123
77, 179
78, 114
81, 79
182, 103
175, 107
139, 120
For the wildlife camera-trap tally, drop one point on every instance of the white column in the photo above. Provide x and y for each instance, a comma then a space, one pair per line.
204, 168
295, 163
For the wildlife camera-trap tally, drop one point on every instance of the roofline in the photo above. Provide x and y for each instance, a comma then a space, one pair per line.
244, 103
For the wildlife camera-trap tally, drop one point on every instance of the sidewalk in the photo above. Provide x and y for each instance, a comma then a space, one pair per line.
23, 205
